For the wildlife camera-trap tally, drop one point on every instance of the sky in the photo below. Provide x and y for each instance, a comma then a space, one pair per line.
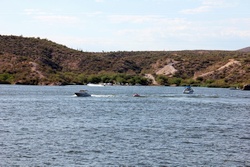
131, 25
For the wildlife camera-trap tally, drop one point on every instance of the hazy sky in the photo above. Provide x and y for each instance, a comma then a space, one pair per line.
126, 25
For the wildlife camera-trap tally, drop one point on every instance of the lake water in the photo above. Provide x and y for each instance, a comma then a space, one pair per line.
49, 126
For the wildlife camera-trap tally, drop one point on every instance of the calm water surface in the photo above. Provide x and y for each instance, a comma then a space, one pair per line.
49, 126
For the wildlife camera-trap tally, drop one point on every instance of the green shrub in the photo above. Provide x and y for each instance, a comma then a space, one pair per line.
175, 81
6, 78
162, 80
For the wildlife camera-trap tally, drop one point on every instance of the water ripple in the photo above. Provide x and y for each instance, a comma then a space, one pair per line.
48, 126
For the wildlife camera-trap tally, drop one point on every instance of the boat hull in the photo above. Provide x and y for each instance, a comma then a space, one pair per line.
188, 92
82, 94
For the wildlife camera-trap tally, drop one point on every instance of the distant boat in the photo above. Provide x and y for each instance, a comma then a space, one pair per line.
108, 84
91, 84
234, 88
82, 93
188, 90
136, 95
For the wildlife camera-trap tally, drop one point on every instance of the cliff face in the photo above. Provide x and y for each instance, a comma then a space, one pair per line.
40, 61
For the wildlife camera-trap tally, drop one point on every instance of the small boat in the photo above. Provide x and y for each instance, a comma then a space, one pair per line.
234, 88
98, 85
82, 93
188, 90
136, 95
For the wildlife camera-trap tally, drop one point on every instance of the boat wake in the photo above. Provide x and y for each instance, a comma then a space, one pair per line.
102, 96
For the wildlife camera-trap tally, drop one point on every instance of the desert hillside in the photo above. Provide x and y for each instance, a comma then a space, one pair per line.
42, 62
247, 49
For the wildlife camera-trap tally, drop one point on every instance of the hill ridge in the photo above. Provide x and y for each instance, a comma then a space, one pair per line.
42, 62
246, 49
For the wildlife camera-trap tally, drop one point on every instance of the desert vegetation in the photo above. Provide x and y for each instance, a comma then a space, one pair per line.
38, 61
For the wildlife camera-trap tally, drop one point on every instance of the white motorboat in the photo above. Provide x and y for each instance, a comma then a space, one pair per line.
91, 84
188, 90
82, 93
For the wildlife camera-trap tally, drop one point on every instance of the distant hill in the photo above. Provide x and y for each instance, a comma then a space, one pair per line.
43, 62
247, 49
